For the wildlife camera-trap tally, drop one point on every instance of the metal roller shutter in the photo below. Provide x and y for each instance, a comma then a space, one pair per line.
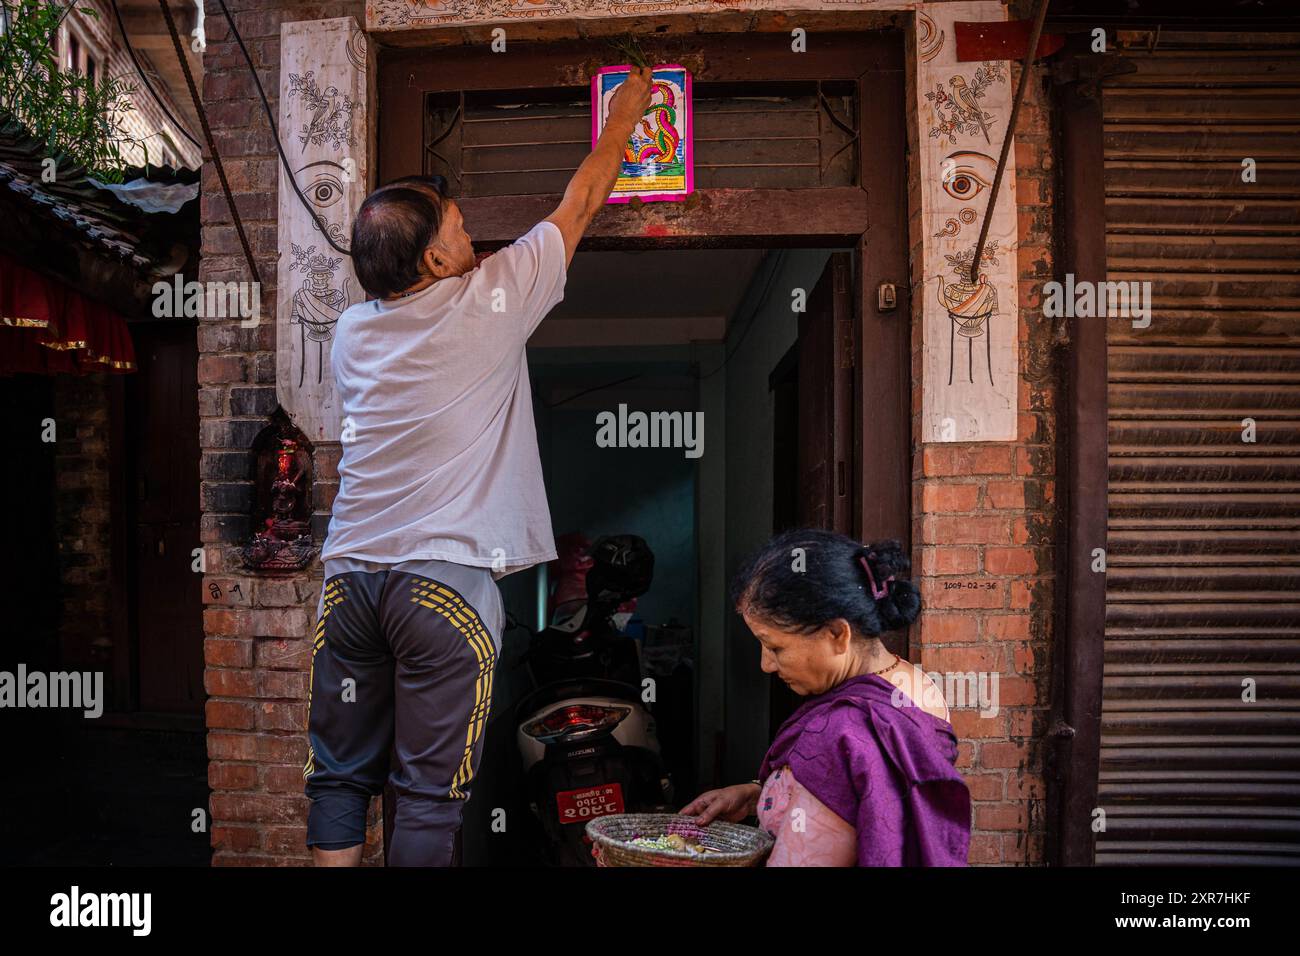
1203, 563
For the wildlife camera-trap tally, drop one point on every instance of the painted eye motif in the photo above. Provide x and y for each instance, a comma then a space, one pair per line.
965, 184
967, 174
324, 190
322, 182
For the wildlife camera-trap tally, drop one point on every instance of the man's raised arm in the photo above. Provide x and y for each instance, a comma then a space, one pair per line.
594, 179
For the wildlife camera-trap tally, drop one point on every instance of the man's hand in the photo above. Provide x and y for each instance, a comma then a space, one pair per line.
631, 99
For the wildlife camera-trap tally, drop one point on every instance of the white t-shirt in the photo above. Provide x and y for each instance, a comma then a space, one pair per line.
439, 447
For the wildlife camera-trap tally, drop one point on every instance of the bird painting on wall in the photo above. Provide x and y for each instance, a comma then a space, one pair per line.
958, 110
968, 104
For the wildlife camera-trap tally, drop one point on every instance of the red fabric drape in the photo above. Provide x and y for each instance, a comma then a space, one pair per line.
45, 327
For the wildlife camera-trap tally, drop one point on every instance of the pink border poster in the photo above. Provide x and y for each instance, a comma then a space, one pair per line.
658, 161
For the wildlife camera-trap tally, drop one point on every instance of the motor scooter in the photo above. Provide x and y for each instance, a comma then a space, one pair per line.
586, 736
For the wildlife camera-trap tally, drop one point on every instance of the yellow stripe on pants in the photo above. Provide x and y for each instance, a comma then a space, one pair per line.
334, 595
434, 596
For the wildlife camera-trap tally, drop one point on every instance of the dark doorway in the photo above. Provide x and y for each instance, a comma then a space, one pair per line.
29, 588
813, 428
847, 191
162, 471
29, 569
826, 362
126, 787
784, 383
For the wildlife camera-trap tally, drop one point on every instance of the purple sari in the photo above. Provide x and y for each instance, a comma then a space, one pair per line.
888, 771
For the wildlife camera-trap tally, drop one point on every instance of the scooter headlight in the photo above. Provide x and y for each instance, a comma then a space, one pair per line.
575, 722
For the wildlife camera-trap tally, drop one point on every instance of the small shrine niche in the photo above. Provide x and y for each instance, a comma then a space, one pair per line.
282, 508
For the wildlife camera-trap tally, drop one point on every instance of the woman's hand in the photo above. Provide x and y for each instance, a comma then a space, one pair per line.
730, 803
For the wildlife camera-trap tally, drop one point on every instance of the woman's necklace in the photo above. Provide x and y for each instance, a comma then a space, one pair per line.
889, 668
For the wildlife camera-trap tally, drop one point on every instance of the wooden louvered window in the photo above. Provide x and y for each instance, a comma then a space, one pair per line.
747, 135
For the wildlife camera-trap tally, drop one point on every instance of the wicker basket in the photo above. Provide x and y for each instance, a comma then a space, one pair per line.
735, 845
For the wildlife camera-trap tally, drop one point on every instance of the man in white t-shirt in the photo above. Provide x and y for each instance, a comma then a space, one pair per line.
440, 494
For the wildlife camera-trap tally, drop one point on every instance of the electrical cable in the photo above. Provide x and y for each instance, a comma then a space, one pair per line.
775, 267
147, 85
212, 146
316, 218
1025, 69
594, 388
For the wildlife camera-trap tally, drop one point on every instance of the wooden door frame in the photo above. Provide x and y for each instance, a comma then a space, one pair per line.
716, 217
871, 218
1074, 734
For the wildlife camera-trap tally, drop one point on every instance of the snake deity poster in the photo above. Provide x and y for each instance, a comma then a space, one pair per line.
658, 160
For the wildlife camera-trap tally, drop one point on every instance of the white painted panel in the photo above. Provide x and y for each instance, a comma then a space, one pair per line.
969, 330
323, 129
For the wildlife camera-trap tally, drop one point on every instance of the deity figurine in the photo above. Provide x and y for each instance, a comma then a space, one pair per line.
285, 544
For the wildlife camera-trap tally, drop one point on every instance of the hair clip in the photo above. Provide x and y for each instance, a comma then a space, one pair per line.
883, 589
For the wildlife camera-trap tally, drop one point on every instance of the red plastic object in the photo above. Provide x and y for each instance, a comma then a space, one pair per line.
1001, 40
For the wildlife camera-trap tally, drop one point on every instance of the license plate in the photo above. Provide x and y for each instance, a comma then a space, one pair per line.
575, 806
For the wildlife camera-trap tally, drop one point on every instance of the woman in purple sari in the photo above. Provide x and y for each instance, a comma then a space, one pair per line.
863, 773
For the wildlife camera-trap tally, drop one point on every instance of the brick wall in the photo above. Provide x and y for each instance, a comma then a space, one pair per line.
257, 648
82, 529
984, 512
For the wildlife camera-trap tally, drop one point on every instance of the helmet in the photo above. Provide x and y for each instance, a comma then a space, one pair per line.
623, 566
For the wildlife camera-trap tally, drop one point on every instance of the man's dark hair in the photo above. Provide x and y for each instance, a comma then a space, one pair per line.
394, 226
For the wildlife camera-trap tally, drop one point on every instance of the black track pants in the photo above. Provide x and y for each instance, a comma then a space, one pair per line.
400, 662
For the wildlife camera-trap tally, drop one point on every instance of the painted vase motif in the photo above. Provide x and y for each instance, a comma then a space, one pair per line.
969, 304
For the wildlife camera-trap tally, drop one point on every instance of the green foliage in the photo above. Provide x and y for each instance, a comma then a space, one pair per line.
76, 116
630, 48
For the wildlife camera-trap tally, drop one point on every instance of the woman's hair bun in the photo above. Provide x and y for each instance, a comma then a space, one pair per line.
803, 578
902, 601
